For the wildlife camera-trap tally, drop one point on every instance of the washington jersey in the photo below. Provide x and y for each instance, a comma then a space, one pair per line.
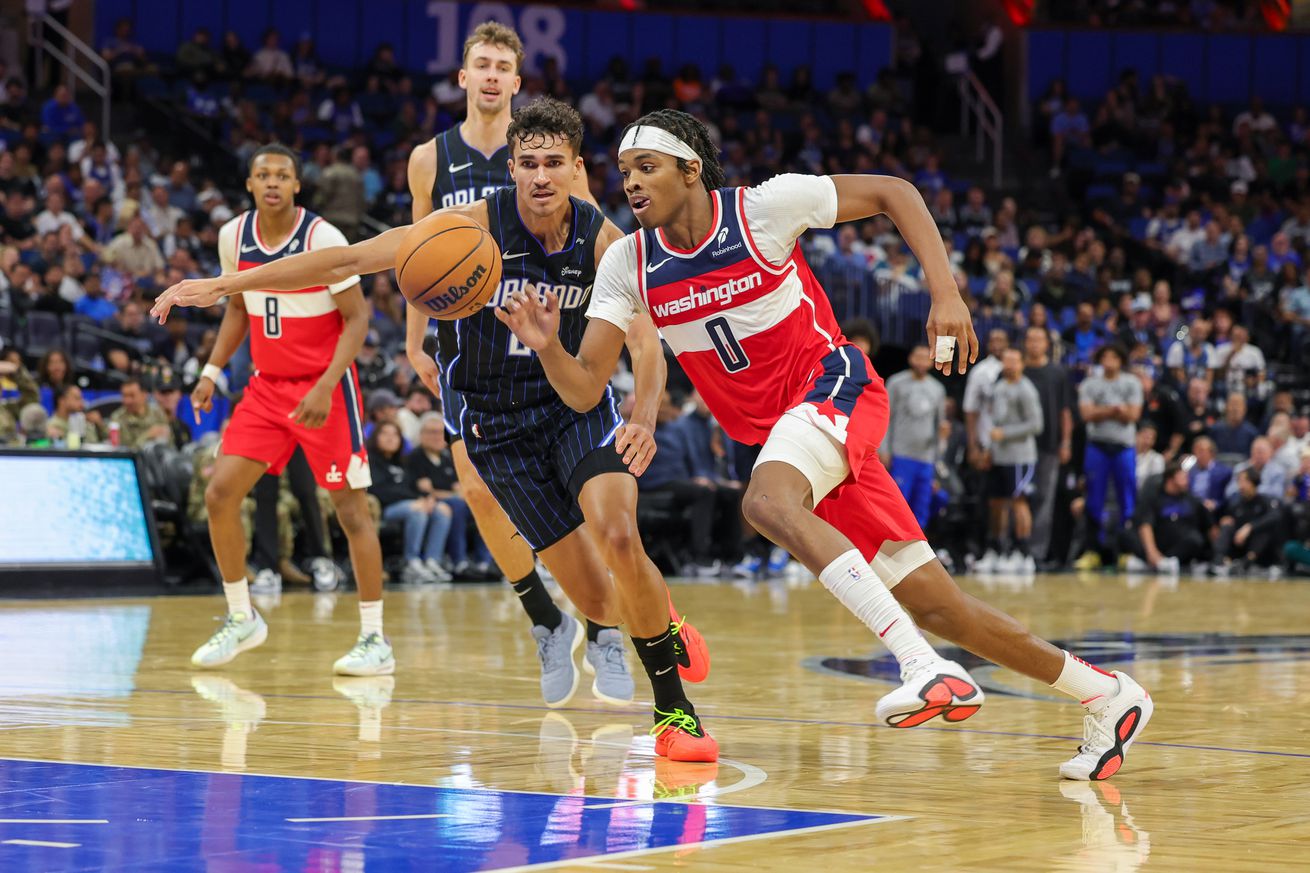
750, 324
293, 334
464, 175
491, 369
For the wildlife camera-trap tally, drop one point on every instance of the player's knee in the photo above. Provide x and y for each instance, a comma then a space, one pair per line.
220, 496
619, 539
766, 512
354, 517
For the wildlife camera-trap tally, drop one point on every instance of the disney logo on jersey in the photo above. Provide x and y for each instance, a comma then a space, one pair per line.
719, 296
570, 296
456, 292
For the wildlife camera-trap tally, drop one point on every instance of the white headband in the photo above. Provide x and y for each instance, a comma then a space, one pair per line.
657, 139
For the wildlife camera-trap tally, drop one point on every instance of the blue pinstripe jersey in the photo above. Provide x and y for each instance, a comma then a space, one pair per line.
464, 175
493, 371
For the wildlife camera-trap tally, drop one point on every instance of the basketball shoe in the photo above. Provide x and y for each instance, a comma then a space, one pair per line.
604, 660
239, 633
1111, 725
370, 656
930, 689
679, 736
689, 646
555, 648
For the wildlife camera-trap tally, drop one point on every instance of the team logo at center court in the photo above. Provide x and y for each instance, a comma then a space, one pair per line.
1105, 649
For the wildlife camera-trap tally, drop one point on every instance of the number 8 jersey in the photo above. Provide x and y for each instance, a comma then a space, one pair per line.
293, 334
750, 324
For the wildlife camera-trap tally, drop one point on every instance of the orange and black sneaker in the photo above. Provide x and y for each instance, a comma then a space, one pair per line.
679, 736
689, 646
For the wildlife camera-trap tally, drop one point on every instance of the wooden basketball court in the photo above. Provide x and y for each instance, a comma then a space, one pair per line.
454, 764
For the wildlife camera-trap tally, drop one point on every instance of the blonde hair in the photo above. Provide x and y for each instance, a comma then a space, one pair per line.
497, 34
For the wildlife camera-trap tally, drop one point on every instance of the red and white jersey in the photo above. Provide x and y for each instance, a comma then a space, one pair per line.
293, 334
742, 311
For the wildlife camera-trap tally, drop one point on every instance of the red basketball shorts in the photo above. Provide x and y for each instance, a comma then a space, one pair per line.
261, 429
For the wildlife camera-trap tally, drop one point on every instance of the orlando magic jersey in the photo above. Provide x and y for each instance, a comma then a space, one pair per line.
464, 175
491, 368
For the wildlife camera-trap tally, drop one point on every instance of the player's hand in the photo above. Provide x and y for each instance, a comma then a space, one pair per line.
202, 397
534, 321
428, 373
312, 410
636, 443
188, 292
951, 318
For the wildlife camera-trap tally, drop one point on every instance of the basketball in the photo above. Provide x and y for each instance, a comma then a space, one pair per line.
448, 266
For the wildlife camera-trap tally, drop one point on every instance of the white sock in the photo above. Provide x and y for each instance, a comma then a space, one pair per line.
370, 617
1083, 682
852, 581
238, 597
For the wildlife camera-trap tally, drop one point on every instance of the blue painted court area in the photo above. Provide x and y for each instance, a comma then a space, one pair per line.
73, 817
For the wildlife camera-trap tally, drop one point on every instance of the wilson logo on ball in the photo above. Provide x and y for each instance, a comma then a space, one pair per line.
455, 293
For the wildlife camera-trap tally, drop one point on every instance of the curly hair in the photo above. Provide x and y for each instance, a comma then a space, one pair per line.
542, 120
694, 133
497, 34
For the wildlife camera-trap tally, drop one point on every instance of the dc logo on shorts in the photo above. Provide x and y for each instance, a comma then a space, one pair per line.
333, 475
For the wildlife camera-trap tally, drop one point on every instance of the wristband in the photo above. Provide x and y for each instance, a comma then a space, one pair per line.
212, 373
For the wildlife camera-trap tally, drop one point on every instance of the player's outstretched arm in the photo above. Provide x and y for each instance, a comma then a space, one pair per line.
580, 380
317, 267
864, 196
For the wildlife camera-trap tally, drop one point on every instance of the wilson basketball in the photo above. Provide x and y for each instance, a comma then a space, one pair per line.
448, 266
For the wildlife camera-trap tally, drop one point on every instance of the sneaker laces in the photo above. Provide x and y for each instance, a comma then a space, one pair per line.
1095, 732
611, 654
546, 645
365, 643
230, 626
675, 631
676, 720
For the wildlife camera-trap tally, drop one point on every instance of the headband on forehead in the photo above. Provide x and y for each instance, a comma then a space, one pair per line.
657, 139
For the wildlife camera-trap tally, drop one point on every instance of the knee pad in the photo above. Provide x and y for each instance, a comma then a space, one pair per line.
798, 443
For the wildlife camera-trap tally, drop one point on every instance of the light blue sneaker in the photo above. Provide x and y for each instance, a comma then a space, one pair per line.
559, 675
778, 560
239, 633
604, 659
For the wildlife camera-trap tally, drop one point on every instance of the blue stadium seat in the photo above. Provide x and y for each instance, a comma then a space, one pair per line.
42, 333
1101, 191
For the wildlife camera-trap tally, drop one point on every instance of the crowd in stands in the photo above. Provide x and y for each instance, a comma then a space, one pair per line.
1137, 403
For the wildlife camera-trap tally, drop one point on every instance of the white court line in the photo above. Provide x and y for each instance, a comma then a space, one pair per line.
374, 817
54, 821
703, 844
50, 845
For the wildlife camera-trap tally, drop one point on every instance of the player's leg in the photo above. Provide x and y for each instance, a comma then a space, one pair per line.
304, 488
798, 462
243, 629
1125, 484
523, 487
1023, 518
371, 655
575, 561
336, 456
609, 504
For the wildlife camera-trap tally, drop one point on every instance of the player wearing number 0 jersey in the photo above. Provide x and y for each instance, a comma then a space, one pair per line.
721, 273
304, 392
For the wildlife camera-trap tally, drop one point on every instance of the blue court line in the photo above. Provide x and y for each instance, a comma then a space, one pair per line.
168, 820
712, 716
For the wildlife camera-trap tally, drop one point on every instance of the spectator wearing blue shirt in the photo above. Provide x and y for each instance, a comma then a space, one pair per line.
709, 462
671, 472
1083, 337
1208, 479
94, 305
1234, 435
60, 115
1069, 128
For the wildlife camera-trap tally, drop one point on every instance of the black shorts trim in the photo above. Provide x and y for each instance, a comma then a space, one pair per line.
597, 462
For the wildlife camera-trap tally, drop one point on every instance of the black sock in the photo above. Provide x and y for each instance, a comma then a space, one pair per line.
536, 601
1021, 544
593, 630
657, 656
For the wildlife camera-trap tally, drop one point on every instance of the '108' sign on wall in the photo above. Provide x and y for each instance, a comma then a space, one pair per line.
542, 29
